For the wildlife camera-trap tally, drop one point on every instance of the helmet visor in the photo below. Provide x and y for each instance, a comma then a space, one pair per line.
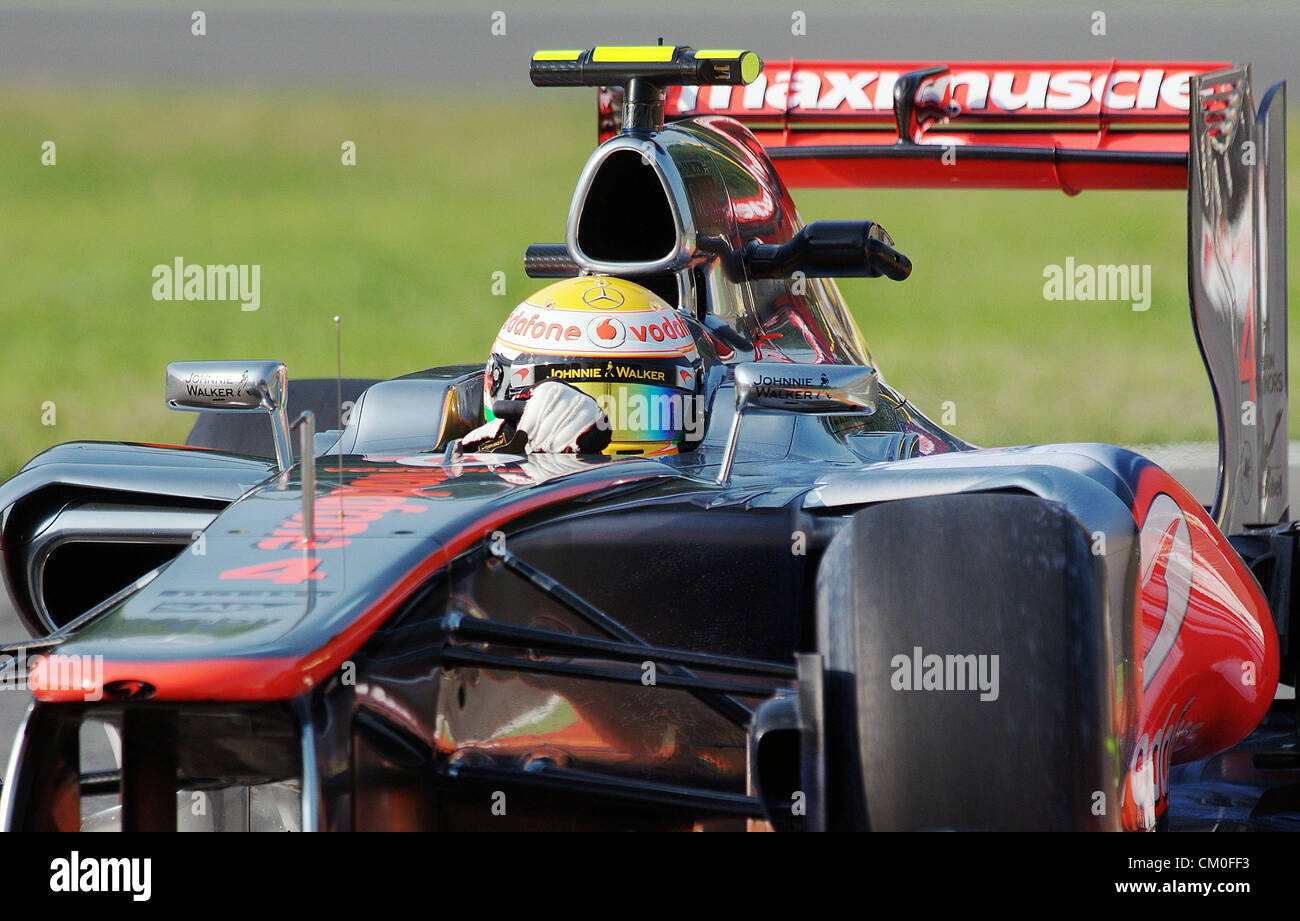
644, 412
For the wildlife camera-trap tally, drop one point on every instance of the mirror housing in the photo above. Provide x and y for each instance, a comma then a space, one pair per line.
235, 386
817, 390
829, 249
813, 390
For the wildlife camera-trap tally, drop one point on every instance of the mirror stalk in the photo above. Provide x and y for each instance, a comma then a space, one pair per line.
810, 390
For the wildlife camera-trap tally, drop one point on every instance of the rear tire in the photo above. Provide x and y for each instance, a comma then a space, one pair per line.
984, 574
250, 433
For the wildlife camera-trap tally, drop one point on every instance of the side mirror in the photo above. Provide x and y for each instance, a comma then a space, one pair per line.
814, 390
235, 386
829, 249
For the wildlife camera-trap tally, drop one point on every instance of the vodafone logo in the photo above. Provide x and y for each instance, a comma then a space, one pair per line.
1149, 770
1165, 580
664, 329
526, 324
607, 332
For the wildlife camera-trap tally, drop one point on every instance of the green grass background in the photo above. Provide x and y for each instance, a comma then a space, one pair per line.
446, 192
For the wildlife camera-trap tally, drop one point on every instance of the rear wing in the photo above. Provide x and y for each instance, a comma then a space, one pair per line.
1072, 126
1069, 126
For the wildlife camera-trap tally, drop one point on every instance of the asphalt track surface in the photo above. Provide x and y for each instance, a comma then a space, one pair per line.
442, 48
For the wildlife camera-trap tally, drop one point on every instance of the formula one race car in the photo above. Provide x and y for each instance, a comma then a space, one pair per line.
824, 612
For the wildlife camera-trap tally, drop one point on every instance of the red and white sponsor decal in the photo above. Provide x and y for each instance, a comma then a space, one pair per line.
1165, 586
974, 89
656, 332
528, 324
1149, 769
1166, 577
607, 332
351, 509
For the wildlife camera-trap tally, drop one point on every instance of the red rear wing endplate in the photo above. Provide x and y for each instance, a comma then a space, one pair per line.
1068, 126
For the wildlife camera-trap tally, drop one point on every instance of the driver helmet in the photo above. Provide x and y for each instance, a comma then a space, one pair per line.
615, 341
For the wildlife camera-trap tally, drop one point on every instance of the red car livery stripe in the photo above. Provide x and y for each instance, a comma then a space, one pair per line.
279, 678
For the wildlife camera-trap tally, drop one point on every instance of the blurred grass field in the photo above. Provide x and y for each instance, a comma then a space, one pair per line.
448, 191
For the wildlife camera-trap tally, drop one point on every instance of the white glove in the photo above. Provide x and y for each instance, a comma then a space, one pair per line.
557, 416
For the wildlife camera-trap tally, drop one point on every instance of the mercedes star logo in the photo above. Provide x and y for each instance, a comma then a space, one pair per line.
603, 297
